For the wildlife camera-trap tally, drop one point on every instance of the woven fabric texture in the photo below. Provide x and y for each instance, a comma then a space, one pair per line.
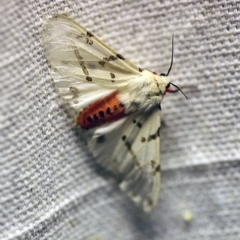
50, 186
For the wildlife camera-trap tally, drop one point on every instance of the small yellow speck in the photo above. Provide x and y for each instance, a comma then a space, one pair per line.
187, 216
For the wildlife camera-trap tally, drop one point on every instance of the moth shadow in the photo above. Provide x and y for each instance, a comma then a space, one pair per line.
143, 224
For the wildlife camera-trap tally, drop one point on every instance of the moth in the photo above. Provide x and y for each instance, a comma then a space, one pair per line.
116, 101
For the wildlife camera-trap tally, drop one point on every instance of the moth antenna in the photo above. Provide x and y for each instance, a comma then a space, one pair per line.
179, 90
171, 58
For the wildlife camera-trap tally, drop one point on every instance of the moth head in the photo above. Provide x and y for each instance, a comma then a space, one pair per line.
168, 84
166, 79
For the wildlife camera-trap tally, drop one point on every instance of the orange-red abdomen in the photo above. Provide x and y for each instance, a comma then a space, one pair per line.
103, 111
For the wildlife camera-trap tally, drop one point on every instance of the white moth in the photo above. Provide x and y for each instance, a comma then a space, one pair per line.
116, 100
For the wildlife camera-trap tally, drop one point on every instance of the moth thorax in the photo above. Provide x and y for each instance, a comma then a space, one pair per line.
145, 93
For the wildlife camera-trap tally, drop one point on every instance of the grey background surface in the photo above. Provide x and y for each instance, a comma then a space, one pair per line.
51, 188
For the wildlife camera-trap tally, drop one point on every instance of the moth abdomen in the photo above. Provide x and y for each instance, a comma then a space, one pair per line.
103, 111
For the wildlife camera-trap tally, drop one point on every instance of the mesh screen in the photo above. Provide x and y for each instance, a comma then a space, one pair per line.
51, 188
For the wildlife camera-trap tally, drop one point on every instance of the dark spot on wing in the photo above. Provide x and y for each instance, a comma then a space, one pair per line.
108, 111
149, 201
85, 71
89, 34
120, 56
89, 79
77, 54
102, 63
112, 75
95, 117
123, 137
112, 58
158, 168
101, 113
105, 59
79, 36
136, 161
121, 105
143, 139
74, 91
140, 70
153, 163
139, 125
128, 145
89, 41
115, 108
153, 136
101, 139
89, 119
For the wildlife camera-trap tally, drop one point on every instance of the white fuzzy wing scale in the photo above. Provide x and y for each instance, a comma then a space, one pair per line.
77, 58
131, 148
